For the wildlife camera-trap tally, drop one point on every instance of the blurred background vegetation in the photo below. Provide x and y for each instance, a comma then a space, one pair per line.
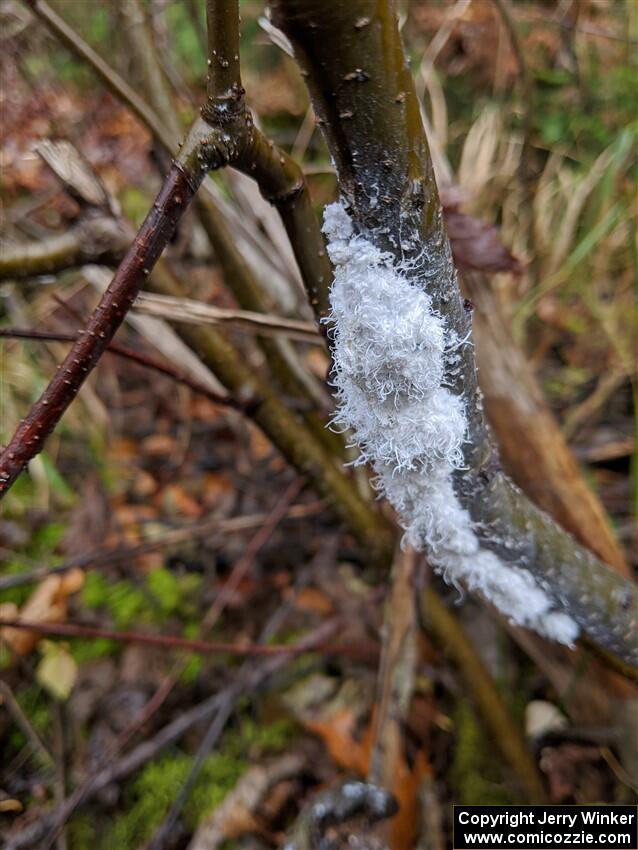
545, 149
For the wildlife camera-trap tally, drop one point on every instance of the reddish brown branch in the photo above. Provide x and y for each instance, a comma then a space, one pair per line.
28, 440
202, 647
245, 563
146, 360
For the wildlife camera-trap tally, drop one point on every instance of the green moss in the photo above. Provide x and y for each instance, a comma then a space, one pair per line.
148, 797
162, 595
476, 774
90, 650
46, 538
81, 832
95, 590
125, 602
259, 740
165, 587
174, 594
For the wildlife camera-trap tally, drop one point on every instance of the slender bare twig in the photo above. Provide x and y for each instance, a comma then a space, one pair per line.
238, 273
264, 324
219, 722
97, 558
213, 734
222, 25
60, 774
174, 198
202, 647
225, 135
13, 707
146, 360
212, 615
147, 711
47, 826
280, 179
243, 564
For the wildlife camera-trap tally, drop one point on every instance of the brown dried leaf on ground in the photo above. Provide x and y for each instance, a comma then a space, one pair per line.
343, 718
47, 604
337, 712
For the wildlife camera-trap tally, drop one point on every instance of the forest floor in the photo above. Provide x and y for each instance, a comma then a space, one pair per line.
155, 512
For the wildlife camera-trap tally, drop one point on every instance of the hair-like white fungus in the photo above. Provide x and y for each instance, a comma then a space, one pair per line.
389, 351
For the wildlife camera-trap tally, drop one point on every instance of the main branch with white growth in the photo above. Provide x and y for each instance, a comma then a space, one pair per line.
391, 351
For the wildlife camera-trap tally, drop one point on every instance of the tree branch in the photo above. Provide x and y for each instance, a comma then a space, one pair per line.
158, 119
282, 183
201, 647
228, 113
175, 196
222, 22
282, 426
208, 146
95, 239
146, 360
534, 451
279, 178
375, 134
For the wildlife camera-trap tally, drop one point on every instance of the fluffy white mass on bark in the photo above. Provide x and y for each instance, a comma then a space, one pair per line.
390, 352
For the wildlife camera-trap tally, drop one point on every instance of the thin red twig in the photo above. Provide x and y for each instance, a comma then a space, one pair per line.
124, 554
243, 564
28, 440
146, 360
174, 642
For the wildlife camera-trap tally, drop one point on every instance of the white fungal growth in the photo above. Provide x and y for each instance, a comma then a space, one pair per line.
390, 352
